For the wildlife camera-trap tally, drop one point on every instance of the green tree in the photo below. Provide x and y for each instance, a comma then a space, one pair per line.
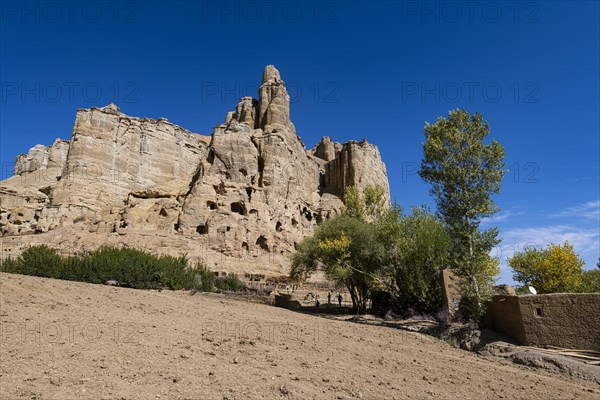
420, 253
554, 269
464, 173
591, 281
347, 248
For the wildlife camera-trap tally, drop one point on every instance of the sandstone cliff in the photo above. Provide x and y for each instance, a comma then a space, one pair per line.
239, 199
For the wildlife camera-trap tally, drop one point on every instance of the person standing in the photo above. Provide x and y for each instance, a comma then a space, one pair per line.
329, 298
340, 298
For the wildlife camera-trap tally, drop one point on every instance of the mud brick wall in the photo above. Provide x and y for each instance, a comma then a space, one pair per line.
450, 291
568, 320
504, 315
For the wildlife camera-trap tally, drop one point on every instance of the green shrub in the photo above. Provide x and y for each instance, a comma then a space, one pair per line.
11, 265
175, 273
36, 260
203, 279
229, 283
129, 267
79, 269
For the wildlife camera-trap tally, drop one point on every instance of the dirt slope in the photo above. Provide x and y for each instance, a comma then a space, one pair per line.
64, 340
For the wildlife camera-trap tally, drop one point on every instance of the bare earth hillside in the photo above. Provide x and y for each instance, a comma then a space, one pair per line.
67, 340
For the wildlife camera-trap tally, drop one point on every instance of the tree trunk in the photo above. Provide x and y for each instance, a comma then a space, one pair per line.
362, 296
353, 296
474, 275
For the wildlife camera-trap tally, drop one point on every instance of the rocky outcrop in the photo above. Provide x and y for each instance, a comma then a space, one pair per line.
239, 199
42, 157
274, 103
356, 164
112, 155
326, 149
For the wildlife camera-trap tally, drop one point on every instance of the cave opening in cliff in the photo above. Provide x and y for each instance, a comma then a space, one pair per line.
261, 169
262, 243
202, 229
278, 226
307, 214
238, 207
321, 183
211, 205
211, 157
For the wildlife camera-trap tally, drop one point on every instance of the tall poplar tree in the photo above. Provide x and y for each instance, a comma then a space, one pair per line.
464, 173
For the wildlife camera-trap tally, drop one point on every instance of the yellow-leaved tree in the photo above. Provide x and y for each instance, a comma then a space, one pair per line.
554, 269
348, 247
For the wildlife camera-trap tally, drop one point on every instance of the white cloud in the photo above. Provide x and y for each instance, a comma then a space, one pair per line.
502, 216
588, 210
585, 240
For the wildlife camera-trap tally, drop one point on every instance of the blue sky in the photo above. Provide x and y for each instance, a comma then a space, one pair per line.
375, 70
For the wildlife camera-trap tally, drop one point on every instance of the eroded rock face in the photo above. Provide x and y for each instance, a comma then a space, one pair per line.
43, 157
120, 154
240, 199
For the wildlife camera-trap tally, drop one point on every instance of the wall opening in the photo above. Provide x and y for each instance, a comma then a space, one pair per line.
238, 207
202, 229
211, 205
278, 226
262, 243
538, 312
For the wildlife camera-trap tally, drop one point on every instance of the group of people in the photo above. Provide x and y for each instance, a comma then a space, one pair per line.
318, 301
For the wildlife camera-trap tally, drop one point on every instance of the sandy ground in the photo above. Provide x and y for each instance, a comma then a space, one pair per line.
67, 340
